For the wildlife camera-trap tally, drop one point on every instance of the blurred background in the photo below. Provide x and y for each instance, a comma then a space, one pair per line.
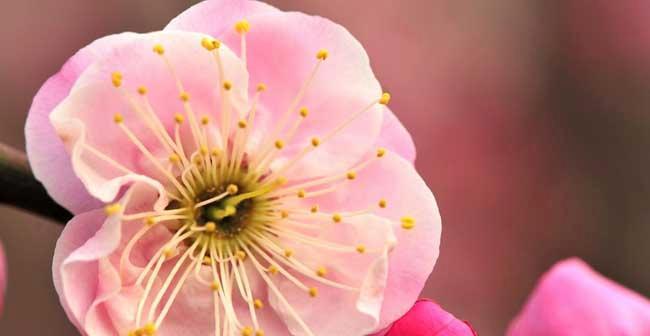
530, 119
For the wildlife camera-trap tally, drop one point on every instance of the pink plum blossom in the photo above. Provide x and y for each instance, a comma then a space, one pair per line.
254, 181
572, 299
427, 318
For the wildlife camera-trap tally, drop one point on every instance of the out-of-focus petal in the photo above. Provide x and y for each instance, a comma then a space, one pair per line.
427, 318
572, 299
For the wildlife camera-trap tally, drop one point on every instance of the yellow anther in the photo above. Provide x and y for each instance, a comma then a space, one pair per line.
116, 78
118, 118
408, 222
259, 332
149, 329
184, 96
174, 158
112, 209
258, 304
210, 44
351, 175
178, 118
280, 181
242, 26
133, 333
204, 150
272, 269
142, 90
215, 152
361, 248
207, 260
168, 252
242, 123
381, 152
232, 189
159, 49
261, 87
288, 253
314, 209
382, 203
215, 286
336, 218
149, 221
304, 112
315, 142
301, 193
279, 144
313, 292
284, 214
210, 227
322, 54
240, 255
321, 271
247, 331
205, 120
227, 85
385, 98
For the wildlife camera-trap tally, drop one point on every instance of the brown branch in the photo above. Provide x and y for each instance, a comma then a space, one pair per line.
19, 187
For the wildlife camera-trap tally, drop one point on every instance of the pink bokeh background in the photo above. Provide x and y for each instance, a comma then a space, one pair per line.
530, 119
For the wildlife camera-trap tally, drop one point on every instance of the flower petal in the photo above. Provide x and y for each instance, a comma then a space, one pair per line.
281, 52
395, 137
349, 312
83, 273
47, 156
572, 299
427, 318
407, 195
214, 17
81, 122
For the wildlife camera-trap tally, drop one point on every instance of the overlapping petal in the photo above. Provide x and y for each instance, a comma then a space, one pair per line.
47, 156
393, 178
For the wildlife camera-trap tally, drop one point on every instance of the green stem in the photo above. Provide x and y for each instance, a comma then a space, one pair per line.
19, 187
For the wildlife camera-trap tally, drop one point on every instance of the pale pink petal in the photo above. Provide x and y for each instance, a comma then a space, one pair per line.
192, 312
395, 180
217, 18
47, 156
395, 137
572, 299
214, 17
427, 318
83, 274
348, 311
81, 121
281, 52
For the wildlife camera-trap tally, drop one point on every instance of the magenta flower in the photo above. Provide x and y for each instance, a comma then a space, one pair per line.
572, 299
255, 181
427, 318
